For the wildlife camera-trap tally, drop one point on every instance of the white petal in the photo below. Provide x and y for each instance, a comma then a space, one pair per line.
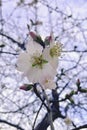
34, 75
23, 63
53, 61
33, 47
47, 82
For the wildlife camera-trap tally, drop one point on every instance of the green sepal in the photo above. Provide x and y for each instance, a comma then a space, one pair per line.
71, 100
29, 87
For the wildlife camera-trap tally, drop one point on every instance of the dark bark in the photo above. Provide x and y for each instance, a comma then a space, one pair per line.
56, 113
80, 127
43, 125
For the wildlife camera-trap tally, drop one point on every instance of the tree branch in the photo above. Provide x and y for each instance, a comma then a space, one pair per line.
21, 45
80, 127
56, 113
11, 124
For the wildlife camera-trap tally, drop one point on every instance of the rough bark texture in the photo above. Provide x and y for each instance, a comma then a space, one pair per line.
43, 125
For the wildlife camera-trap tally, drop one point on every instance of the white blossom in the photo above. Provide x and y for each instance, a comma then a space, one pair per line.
38, 64
35, 66
68, 121
53, 52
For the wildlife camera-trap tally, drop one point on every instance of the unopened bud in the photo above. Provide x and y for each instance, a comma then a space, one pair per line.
26, 87
33, 35
78, 83
48, 39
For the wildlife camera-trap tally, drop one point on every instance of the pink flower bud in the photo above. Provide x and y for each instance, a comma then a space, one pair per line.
49, 38
78, 83
33, 35
24, 87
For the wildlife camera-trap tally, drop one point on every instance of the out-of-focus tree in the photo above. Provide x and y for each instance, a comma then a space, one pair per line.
66, 106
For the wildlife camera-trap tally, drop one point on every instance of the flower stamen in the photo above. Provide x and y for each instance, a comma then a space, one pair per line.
55, 51
38, 61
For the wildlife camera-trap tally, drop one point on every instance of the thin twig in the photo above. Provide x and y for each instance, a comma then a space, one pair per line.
21, 45
36, 116
11, 124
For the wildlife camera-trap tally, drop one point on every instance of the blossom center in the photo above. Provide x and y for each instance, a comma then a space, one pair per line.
55, 51
38, 61
46, 81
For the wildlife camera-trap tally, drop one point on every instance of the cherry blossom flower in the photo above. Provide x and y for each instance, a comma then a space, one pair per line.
38, 64
34, 65
53, 52
67, 121
48, 82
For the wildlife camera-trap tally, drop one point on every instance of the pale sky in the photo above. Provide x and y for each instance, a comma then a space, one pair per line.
76, 7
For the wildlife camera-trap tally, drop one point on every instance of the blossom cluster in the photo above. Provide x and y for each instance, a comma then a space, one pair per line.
40, 60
